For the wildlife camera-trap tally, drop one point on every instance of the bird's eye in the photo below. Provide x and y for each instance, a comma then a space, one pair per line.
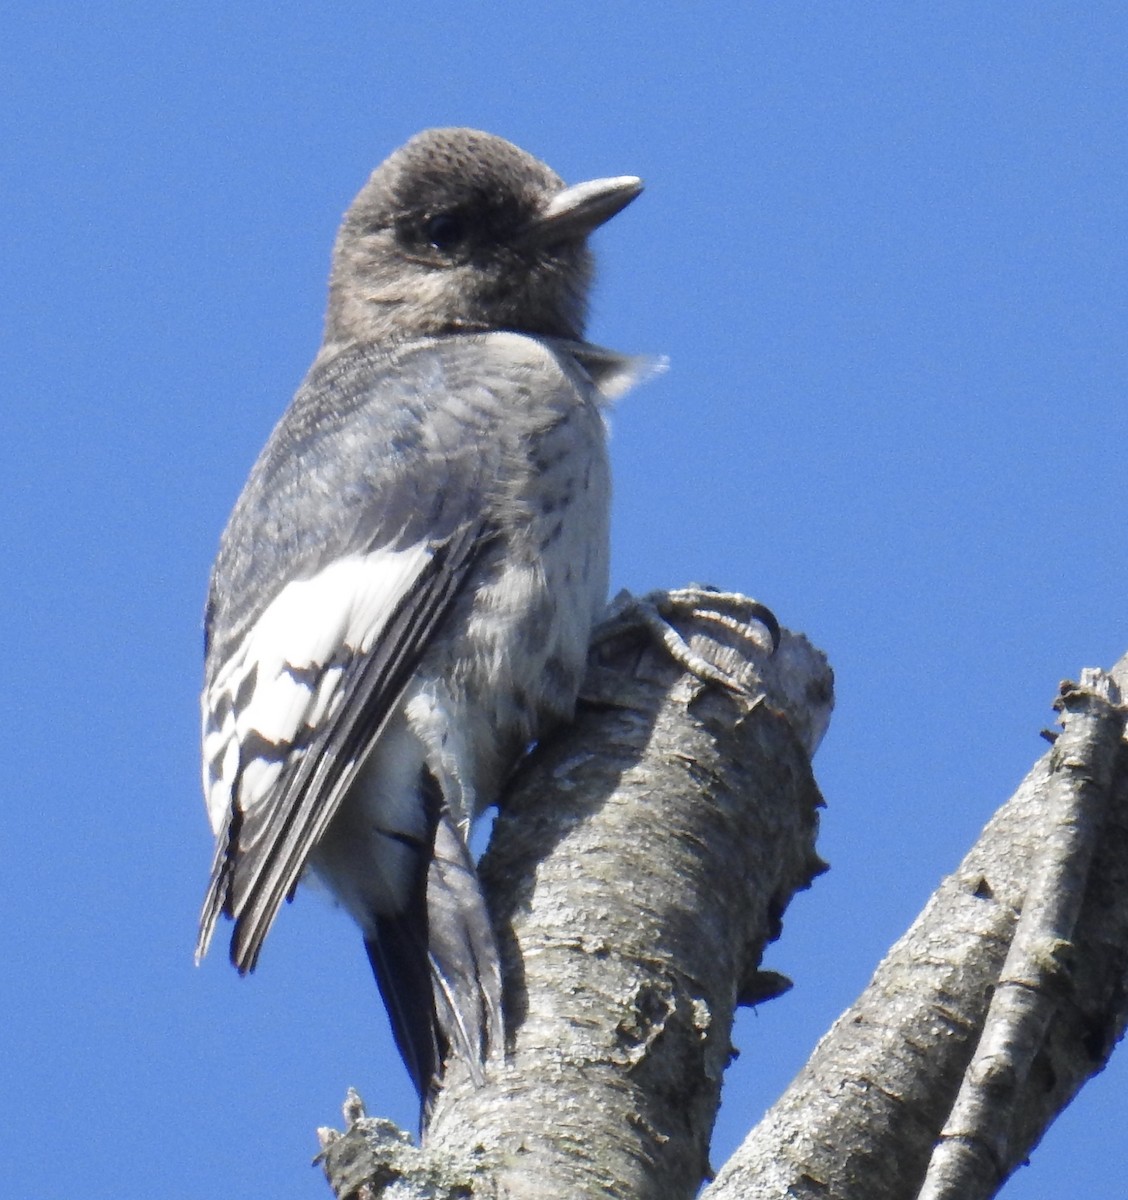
444, 231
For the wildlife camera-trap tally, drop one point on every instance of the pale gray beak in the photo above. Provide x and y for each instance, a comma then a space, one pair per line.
573, 213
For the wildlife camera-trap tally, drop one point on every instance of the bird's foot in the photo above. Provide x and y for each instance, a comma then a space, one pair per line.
737, 615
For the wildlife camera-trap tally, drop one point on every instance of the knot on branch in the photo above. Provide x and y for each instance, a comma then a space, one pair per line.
374, 1155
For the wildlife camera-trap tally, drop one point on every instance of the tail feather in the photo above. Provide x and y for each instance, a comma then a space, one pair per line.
399, 962
465, 967
437, 967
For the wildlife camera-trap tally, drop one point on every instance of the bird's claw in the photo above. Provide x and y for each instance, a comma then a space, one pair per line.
653, 612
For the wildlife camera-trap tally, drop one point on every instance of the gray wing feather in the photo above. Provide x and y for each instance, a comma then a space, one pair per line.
262, 854
367, 456
380, 449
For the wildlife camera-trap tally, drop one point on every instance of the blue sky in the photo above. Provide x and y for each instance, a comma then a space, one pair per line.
884, 248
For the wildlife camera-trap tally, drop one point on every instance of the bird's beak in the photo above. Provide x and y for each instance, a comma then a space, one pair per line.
573, 213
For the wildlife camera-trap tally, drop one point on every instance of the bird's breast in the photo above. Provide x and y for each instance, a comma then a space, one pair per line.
517, 657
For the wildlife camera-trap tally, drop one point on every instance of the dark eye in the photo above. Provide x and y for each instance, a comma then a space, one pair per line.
444, 230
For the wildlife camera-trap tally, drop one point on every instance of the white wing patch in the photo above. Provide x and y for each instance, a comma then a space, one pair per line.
283, 679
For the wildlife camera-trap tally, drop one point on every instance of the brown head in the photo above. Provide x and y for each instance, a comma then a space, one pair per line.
461, 231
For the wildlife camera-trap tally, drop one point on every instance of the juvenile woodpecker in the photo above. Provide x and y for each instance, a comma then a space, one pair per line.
404, 593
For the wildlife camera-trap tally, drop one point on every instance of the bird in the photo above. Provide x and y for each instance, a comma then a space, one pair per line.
404, 593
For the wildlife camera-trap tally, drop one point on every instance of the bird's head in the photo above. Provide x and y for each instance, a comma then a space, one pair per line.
461, 231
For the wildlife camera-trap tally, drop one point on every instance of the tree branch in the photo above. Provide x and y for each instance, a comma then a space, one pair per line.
640, 865
862, 1118
643, 859
974, 1154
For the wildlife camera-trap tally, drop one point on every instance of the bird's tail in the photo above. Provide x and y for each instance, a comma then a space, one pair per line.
437, 967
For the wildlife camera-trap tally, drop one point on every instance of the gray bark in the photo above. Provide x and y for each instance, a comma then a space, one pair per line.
642, 862
878, 1098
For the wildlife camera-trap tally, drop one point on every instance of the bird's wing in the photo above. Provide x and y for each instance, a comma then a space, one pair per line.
289, 723
301, 684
